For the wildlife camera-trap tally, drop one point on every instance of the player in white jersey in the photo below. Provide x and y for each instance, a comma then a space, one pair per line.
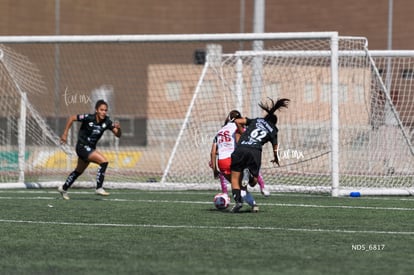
223, 146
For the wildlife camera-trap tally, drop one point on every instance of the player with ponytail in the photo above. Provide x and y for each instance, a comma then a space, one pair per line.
247, 156
223, 146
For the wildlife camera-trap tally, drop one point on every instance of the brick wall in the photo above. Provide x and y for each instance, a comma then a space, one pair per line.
352, 17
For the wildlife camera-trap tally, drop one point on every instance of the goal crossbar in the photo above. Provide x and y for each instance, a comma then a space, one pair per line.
165, 37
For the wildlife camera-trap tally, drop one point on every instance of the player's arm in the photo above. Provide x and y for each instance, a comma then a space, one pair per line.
275, 154
117, 129
213, 156
240, 122
69, 123
237, 136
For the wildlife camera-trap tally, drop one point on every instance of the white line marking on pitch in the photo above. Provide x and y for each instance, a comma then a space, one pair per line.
317, 230
205, 202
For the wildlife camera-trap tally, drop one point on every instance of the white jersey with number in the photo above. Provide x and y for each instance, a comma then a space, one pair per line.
226, 140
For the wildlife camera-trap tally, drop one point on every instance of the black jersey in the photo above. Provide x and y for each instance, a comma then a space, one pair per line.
91, 130
258, 132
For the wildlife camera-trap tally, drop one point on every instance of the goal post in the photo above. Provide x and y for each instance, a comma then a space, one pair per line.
171, 94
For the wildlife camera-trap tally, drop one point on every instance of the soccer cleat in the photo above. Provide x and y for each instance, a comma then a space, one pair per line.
63, 192
236, 208
101, 192
265, 192
255, 208
246, 177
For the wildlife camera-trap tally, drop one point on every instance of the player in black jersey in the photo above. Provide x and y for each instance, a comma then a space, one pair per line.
247, 157
91, 130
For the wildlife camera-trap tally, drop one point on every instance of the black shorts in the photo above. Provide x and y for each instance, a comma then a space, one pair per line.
246, 157
83, 151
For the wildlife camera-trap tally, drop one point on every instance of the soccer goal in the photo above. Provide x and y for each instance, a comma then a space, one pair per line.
349, 127
347, 130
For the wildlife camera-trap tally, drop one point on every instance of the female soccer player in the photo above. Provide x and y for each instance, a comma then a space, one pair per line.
222, 148
91, 130
247, 156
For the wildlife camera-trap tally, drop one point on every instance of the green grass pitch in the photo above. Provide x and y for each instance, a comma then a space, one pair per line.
180, 232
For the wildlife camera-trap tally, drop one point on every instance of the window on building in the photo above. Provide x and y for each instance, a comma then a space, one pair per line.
309, 93
343, 93
207, 89
326, 93
359, 94
173, 90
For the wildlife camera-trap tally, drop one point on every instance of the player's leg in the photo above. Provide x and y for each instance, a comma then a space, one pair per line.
246, 195
249, 199
250, 171
246, 178
261, 183
251, 175
225, 173
237, 165
101, 160
236, 192
224, 176
80, 168
223, 184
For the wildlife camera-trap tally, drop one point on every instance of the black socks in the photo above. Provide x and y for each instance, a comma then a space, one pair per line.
71, 179
100, 176
237, 195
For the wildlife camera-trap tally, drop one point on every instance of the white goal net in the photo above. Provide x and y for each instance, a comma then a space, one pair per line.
349, 126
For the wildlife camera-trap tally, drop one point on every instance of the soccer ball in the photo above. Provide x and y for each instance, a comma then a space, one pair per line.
221, 201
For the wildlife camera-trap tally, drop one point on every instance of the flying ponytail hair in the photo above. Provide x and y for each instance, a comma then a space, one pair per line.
271, 109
